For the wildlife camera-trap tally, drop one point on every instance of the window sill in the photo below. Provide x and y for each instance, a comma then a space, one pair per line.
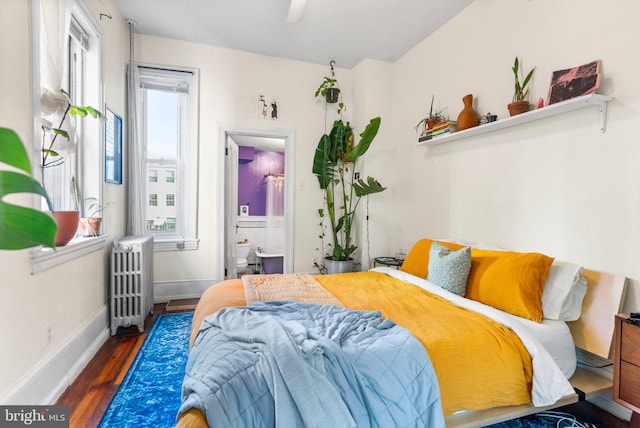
175, 244
45, 258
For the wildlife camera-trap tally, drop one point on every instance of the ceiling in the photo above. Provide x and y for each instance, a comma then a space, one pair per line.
346, 31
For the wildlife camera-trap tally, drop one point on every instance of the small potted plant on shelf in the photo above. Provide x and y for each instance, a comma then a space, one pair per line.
520, 104
330, 89
334, 166
428, 122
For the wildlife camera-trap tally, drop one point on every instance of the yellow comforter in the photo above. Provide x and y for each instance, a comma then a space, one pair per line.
479, 363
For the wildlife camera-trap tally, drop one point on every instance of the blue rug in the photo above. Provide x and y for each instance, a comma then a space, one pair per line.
547, 419
149, 395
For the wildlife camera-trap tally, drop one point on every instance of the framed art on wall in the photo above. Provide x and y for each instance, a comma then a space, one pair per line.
113, 148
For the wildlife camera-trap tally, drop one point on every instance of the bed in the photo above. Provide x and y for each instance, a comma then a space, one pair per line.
500, 351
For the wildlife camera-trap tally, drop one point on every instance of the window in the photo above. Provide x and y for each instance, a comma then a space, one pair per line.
76, 172
168, 112
171, 223
77, 162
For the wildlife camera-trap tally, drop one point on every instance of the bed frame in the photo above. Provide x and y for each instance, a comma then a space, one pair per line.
592, 333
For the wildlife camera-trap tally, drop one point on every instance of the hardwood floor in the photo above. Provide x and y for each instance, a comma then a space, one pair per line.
90, 394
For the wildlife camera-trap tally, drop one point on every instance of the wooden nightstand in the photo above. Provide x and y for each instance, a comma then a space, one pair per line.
626, 363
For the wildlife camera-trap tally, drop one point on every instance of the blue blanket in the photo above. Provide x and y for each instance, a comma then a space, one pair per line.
289, 364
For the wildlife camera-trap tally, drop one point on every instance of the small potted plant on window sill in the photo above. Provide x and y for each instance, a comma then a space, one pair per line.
520, 104
56, 102
90, 225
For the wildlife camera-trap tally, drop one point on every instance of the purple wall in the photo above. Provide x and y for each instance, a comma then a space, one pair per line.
252, 185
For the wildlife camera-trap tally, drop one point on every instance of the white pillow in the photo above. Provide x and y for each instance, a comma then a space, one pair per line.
564, 292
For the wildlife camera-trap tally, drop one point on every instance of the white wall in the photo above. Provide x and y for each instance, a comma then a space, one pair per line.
230, 82
372, 95
558, 186
49, 321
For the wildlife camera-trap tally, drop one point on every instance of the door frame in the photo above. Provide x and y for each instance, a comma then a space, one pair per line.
226, 249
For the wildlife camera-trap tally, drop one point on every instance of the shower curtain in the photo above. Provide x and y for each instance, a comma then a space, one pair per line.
274, 233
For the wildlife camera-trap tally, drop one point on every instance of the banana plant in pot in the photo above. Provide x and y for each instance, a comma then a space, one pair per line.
334, 166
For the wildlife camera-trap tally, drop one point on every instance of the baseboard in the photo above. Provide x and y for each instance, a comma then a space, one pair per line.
54, 375
165, 291
607, 404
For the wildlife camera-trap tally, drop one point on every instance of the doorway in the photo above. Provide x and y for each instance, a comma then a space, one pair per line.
240, 220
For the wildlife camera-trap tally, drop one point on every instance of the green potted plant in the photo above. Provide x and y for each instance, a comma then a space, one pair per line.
435, 116
330, 90
334, 166
67, 220
21, 227
90, 224
519, 104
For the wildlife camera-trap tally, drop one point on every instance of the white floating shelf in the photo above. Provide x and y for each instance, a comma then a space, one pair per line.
600, 101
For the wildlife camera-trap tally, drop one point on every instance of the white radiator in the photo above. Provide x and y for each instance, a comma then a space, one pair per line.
131, 282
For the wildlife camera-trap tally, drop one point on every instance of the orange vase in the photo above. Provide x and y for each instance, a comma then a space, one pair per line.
468, 118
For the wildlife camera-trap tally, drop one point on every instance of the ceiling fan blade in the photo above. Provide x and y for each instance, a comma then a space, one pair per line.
295, 10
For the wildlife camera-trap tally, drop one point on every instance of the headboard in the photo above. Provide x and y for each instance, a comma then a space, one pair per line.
593, 332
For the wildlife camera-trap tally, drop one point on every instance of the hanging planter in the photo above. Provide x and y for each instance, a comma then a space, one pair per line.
330, 90
332, 95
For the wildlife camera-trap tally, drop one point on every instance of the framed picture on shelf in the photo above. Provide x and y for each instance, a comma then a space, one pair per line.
113, 148
574, 82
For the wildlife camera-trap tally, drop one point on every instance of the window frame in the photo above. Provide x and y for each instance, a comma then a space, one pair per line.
186, 201
45, 258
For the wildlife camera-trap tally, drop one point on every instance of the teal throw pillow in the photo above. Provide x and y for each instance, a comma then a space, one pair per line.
448, 268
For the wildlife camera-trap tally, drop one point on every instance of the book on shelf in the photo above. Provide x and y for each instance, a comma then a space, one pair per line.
424, 137
439, 129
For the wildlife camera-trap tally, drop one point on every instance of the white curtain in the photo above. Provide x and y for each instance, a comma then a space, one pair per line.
55, 19
274, 234
136, 196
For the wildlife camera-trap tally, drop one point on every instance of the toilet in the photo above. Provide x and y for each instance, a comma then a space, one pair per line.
243, 249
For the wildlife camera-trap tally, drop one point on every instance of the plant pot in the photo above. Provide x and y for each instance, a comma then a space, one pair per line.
90, 226
518, 107
339, 266
332, 95
67, 222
